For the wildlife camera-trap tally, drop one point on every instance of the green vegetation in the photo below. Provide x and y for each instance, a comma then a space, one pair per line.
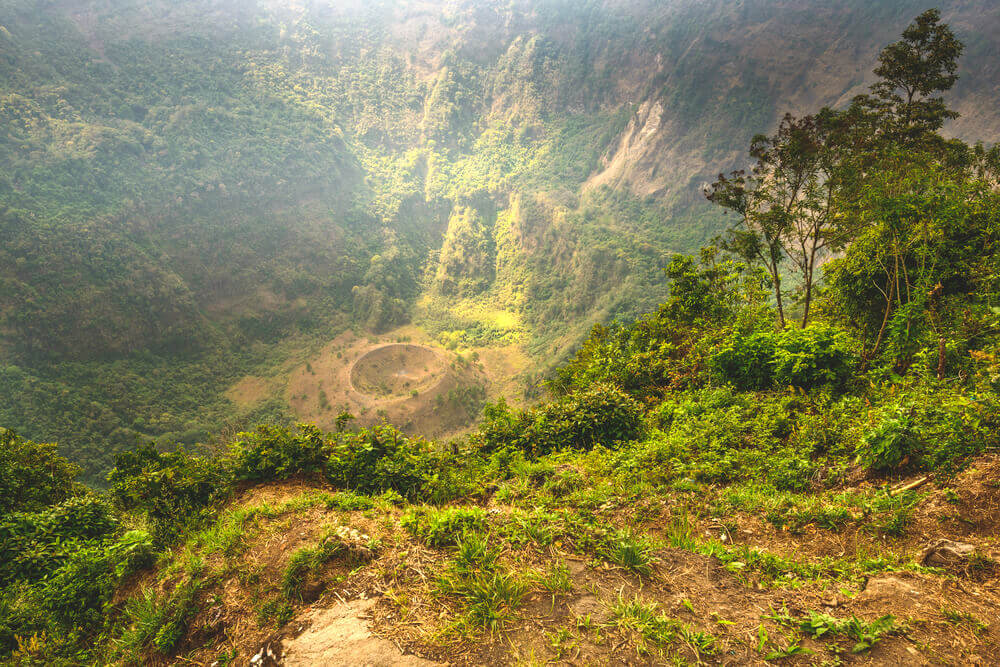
793, 408
657, 630
195, 194
864, 634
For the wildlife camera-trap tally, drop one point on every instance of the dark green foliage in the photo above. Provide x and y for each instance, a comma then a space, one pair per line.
931, 428
271, 452
721, 436
75, 593
701, 290
33, 544
381, 458
746, 361
32, 475
158, 622
911, 73
601, 415
70, 602
169, 487
923, 268
884, 447
667, 349
61, 557
818, 355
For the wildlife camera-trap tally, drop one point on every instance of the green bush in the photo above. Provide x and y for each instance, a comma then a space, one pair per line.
819, 355
68, 606
32, 475
274, 452
169, 487
34, 544
601, 415
76, 593
381, 458
816, 356
376, 460
883, 448
746, 361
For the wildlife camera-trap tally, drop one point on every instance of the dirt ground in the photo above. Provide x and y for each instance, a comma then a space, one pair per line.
402, 376
390, 611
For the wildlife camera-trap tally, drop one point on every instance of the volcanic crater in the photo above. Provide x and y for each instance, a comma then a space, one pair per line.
397, 369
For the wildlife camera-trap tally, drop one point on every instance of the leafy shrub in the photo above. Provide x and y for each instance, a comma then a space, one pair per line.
32, 475
88, 516
274, 452
441, 527
720, 435
170, 487
746, 361
34, 544
883, 448
955, 426
382, 459
377, 459
812, 357
601, 415
75, 594
818, 355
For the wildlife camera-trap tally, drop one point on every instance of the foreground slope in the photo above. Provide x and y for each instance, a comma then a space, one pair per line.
542, 555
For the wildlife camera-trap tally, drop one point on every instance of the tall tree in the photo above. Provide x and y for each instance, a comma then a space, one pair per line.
906, 102
763, 226
795, 204
787, 205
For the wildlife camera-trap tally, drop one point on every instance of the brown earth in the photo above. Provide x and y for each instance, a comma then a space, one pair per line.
413, 386
391, 612
396, 369
402, 377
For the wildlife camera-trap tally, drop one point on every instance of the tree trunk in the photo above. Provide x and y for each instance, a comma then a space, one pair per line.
809, 289
941, 351
776, 277
885, 319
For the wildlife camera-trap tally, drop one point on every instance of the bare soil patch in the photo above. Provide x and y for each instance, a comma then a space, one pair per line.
409, 382
397, 369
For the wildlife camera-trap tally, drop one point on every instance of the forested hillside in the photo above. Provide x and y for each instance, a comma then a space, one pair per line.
192, 191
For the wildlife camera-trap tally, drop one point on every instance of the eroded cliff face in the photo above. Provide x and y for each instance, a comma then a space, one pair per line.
741, 67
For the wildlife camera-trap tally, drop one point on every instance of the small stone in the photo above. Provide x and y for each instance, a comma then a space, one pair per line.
943, 552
